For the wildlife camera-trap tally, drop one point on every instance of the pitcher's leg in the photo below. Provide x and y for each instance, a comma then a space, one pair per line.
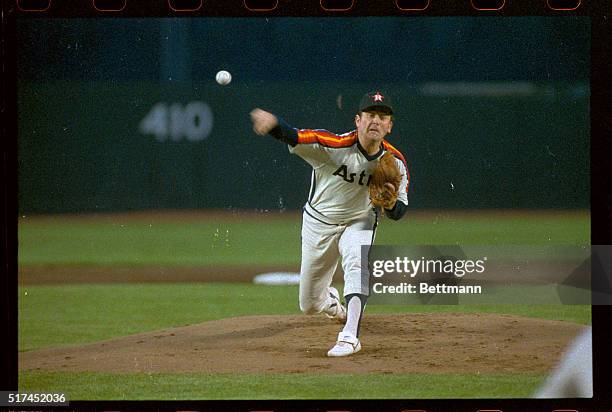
320, 258
354, 247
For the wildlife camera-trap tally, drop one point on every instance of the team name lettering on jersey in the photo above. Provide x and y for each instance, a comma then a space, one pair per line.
350, 177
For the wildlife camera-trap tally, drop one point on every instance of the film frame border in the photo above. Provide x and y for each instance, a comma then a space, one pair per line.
601, 200
166, 8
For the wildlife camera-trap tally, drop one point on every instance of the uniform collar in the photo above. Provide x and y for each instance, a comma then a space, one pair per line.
366, 155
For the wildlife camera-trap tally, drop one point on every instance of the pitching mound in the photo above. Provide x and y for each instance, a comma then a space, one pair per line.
409, 343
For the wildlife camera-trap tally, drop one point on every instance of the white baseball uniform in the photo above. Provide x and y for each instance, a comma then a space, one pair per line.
338, 217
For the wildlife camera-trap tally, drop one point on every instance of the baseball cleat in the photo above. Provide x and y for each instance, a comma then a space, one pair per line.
346, 345
337, 309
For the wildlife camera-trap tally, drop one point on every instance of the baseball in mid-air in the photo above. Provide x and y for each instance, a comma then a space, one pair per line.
223, 77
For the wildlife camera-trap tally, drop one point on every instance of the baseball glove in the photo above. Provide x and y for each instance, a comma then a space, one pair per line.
385, 182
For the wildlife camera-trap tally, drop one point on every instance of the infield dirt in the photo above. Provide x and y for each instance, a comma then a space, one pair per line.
408, 343
399, 343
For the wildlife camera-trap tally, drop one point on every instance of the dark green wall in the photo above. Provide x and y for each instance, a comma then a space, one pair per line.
80, 148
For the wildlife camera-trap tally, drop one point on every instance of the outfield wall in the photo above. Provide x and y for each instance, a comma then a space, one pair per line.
98, 147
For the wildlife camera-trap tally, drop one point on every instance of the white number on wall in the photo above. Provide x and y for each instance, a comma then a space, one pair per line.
175, 122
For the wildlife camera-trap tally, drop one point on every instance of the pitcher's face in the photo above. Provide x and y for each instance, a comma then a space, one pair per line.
373, 126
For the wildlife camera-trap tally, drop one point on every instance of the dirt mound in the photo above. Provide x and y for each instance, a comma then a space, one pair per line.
407, 343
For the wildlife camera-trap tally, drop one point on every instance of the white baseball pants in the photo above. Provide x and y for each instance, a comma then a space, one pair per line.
324, 246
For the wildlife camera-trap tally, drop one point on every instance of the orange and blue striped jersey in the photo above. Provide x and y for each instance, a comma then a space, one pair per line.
341, 173
328, 139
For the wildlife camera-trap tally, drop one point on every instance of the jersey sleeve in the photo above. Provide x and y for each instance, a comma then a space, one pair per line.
298, 141
309, 147
284, 132
310, 144
314, 145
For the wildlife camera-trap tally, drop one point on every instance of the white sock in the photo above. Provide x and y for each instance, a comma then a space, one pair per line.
353, 316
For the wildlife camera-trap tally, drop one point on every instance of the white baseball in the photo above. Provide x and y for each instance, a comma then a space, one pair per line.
223, 77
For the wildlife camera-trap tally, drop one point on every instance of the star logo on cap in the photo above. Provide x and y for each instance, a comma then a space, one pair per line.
378, 97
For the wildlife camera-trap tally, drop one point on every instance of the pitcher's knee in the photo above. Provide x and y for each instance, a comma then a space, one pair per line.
310, 308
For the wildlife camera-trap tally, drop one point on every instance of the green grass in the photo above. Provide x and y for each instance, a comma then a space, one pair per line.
74, 314
94, 386
119, 241
138, 243
62, 315
445, 228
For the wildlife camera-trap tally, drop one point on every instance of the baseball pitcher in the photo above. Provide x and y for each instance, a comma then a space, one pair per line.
355, 177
